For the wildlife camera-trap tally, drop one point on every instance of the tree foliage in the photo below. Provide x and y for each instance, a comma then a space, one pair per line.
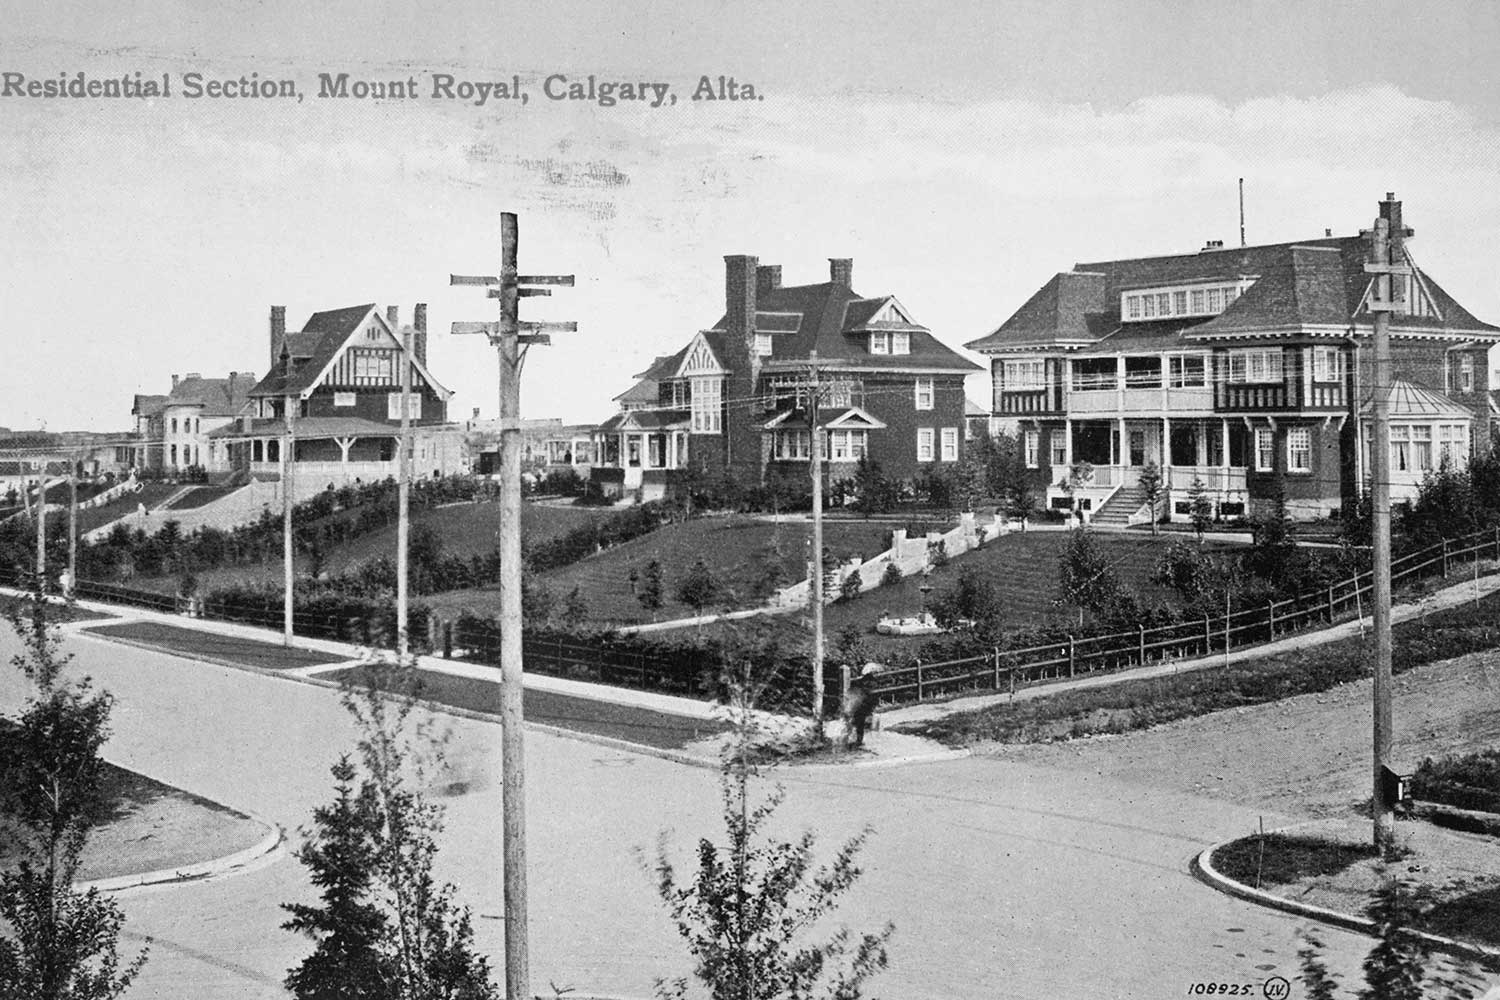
1086, 577
649, 594
699, 588
1200, 507
385, 928
59, 943
753, 910
1151, 485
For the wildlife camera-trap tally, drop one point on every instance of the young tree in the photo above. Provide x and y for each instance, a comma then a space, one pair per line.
1200, 507
649, 594
891, 576
852, 585
1086, 579
972, 598
699, 588
753, 904
1151, 485
873, 492
386, 929
60, 943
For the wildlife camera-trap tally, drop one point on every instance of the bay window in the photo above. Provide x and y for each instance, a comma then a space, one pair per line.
847, 446
1024, 374
1255, 365
707, 404
1328, 364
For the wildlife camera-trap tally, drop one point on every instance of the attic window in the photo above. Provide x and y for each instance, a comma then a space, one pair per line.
890, 342
763, 345
1171, 303
373, 333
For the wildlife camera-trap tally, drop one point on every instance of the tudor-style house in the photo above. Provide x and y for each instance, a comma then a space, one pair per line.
342, 372
1240, 368
738, 395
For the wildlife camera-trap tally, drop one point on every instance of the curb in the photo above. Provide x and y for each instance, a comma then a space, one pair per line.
1202, 869
258, 855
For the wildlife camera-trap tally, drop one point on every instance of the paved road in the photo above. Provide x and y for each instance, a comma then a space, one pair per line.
1004, 880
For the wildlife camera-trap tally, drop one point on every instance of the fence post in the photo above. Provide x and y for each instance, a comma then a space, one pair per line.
1072, 656
1208, 636
1012, 673
1497, 544
919, 679
1142, 629
1271, 617
1330, 604
996, 652
1445, 559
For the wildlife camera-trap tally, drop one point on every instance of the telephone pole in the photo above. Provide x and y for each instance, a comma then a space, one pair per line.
511, 337
1386, 259
403, 504
814, 398
288, 444
72, 533
41, 530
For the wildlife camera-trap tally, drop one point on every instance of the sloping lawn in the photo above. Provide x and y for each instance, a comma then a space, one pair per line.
1023, 566
151, 494
736, 549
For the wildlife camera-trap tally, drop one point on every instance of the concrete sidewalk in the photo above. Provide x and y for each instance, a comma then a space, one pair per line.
1438, 600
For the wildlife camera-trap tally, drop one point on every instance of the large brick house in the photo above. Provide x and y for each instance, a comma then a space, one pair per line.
343, 372
737, 397
1243, 368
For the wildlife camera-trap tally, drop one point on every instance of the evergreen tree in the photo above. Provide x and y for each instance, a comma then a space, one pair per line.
58, 943
649, 593
1086, 579
852, 585
1151, 485
699, 588
1200, 507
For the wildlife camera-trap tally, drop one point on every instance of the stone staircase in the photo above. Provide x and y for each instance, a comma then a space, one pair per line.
1118, 509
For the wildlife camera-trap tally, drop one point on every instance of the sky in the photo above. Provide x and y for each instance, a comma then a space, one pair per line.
961, 153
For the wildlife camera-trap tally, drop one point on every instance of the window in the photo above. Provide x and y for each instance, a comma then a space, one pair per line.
1197, 300
633, 451
1328, 364
1421, 446
882, 342
1188, 371
1180, 303
373, 333
1143, 373
1466, 373
1299, 449
174, 454
847, 446
1133, 306
708, 404
924, 393
1033, 449
654, 451
950, 444
1024, 375
174, 425
1265, 450
678, 393
1452, 445
763, 344
374, 366
343, 399
839, 393
924, 444
1259, 365
791, 446
1400, 448
1164, 303
1215, 300
1059, 447
1149, 301
393, 406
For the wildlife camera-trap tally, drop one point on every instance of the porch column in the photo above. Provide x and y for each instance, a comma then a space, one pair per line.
1120, 385
1123, 458
1166, 451
1068, 442
344, 445
671, 450
1224, 455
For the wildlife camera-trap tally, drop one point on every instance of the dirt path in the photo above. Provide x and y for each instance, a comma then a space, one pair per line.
1308, 755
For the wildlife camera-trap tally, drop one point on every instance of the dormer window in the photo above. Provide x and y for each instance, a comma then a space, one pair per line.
1172, 303
890, 342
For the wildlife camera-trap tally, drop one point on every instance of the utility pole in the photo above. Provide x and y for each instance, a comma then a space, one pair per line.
403, 504
814, 398
1386, 259
41, 530
72, 533
509, 336
289, 407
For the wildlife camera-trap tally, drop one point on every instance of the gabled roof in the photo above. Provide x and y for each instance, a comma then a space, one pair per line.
1318, 283
219, 397
845, 417
646, 420
832, 318
147, 406
322, 338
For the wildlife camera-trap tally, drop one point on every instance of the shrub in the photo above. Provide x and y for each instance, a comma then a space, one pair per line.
891, 576
1470, 781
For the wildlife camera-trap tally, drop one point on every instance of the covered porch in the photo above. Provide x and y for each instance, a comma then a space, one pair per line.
338, 451
640, 441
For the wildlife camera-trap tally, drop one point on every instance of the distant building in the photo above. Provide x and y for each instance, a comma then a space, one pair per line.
173, 430
736, 397
1247, 369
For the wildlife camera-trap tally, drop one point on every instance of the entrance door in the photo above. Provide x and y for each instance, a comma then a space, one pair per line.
1137, 448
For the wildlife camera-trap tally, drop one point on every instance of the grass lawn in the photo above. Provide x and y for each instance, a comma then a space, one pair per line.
151, 494
221, 648
1023, 566
202, 496
149, 826
736, 550
1139, 704
624, 722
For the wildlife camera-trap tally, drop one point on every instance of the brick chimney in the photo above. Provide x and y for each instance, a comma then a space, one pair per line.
739, 298
278, 332
741, 436
767, 278
175, 380
393, 318
841, 271
419, 324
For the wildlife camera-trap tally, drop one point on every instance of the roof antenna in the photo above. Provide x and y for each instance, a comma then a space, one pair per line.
1242, 211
